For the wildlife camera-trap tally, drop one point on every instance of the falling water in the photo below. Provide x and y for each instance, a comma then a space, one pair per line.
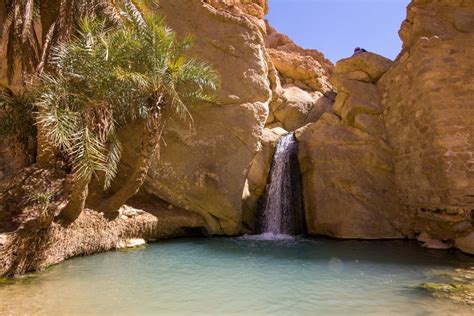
281, 208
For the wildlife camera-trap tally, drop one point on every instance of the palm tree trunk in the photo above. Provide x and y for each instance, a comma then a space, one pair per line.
77, 201
3, 16
49, 12
46, 153
152, 129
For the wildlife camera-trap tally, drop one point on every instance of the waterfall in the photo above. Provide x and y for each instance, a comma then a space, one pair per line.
281, 208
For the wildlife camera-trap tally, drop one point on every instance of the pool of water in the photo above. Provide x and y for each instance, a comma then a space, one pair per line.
242, 276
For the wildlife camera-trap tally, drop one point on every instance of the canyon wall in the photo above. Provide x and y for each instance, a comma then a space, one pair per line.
347, 168
386, 148
429, 117
205, 169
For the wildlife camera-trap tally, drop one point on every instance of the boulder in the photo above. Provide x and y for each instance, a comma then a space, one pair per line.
431, 243
372, 64
297, 105
301, 70
131, 243
358, 104
348, 182
466, 243
437, 244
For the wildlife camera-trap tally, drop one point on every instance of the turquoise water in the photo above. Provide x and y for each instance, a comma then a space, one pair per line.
241, 276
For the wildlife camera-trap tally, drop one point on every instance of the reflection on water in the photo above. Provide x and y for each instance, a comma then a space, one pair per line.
250, 275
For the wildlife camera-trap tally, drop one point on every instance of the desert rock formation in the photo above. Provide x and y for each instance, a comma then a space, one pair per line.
429, 116
386, 147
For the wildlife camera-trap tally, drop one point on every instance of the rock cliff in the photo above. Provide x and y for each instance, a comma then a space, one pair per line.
429, 117
346, 163
205, 169
386, 147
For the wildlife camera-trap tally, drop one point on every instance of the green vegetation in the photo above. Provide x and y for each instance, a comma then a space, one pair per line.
57, 20
459, 286
101, 66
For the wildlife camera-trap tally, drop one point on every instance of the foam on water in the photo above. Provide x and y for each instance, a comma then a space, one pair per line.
268, 237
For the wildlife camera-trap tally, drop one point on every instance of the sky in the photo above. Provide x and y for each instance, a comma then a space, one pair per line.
336, 27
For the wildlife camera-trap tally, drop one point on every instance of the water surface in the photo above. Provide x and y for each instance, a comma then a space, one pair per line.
242, 276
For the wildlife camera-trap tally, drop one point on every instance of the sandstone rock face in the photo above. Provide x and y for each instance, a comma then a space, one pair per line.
429, 117
298, 107
347, 180
257, 8
346, 163
300, 83
205, 169
371, 64
307, 69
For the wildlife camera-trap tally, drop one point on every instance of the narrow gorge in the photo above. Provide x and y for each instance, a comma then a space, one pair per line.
366, 149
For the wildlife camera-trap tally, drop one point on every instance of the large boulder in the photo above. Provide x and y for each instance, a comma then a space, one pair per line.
372, 64
466, 243
346, 164
299, 107
205, 169
348, 181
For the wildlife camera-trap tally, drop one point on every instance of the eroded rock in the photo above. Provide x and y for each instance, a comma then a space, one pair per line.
372, 64
348, 181
427, 99
205, 169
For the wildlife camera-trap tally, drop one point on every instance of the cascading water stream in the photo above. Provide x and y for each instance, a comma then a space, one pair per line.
281, 210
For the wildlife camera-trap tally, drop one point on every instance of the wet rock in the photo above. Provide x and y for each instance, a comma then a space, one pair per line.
131, 243
459, 286
437, 244
258, 175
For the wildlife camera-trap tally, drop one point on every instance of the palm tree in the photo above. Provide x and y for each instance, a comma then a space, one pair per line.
106, 78
32, 28
54, 20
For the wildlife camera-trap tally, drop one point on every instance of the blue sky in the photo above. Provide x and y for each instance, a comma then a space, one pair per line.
336, 27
